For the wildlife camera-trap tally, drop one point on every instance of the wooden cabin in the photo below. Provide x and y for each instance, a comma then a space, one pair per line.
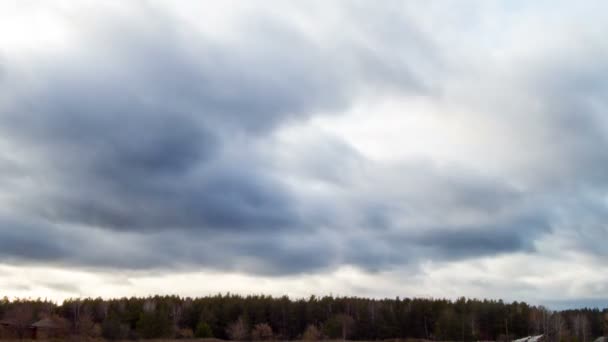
49, 328
11, 329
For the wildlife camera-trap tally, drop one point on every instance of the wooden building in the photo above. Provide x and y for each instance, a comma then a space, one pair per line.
49, 328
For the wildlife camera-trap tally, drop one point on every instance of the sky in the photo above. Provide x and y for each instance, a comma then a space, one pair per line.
380, 149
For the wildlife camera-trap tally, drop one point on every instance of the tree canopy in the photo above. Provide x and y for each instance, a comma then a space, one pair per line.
229, 316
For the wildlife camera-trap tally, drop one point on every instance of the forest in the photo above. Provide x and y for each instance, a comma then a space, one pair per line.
260, 317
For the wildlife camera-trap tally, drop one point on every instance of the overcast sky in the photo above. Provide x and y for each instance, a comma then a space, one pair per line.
415, 148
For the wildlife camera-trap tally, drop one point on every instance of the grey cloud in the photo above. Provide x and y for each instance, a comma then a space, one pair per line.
135, 117
85, 247
386, 214
147, 145
134, 130
62, 287
456, 243
26, 240
378, 249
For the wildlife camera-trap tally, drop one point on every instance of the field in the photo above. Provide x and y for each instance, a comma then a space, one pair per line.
74, 339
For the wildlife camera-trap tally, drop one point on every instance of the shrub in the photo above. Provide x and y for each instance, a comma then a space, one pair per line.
338, 326
154, 325
111, 329
184, 333
203, 330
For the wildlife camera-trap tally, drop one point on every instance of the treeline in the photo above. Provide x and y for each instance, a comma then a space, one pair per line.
237, 317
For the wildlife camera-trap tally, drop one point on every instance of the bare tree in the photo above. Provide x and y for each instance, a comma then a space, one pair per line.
261, 332
543, 323
84, 323
176, 314
473, 325
559, 326
347, 323
311, 333
76, 306
102, 309
237, 331
580, 327
585, 327
149, 306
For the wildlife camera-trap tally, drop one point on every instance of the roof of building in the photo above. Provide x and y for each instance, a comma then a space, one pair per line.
46, 323
533, 339
8, 322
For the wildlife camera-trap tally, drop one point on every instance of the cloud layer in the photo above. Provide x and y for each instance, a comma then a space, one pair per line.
301, 140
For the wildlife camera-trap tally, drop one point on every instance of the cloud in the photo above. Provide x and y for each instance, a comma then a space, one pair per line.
325, 137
